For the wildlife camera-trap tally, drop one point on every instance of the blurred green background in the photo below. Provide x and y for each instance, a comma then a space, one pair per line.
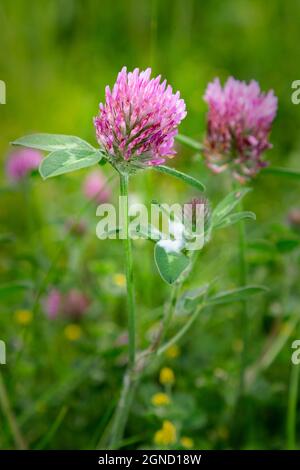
57, 57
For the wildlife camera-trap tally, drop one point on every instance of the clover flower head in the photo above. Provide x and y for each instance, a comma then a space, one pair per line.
238, 125
23, 317
160, 399
173, 352
139, 119
294, 218
187, 442
95, 187
53, 303
73, 332
72, 304
166, 376
75, 303
194, 207
75, 227
21, 162
167, 435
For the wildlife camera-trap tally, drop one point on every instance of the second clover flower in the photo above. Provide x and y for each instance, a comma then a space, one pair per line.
138, 121
238, 125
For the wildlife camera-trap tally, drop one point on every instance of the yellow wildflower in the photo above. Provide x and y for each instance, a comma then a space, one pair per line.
187, 442
166, 376
173, 351
166, 435
72, 332
119, 280
160, 399
23, 317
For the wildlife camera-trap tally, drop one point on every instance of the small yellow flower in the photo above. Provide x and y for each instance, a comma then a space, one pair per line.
23, 317
173, 351
187, 442
72, 332
166, 376
160, 399
166, 435
119, 280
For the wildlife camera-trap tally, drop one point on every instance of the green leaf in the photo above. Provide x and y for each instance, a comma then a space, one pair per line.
228, 204
285, 172
53, 142
234, 218
182, 176
286, 245
193, 144
190, 299
65, 161
235, 295
13, 288
170, 264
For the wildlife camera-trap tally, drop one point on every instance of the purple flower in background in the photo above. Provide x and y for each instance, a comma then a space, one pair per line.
75, 303
95, 187
76, 227
21, 162
238, 125
139, 119
53, 303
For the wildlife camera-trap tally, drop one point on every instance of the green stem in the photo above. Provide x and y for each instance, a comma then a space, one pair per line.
292, 407
9, 414
128, 269
170, 307
180, 333
123, 408
239, 419
169, 311
244, 312
128, 388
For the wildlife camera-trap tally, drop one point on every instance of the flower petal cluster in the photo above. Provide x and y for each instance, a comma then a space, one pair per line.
139, 119
21, 162
238, 125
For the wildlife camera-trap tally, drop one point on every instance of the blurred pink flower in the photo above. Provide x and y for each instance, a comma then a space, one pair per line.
139, 118
21, 162
76, 227
53, 303
75, 303
95, 187
238, 125
294, 218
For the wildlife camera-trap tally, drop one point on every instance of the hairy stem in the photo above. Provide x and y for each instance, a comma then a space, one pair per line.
127, 392
181, 332
123, 409
244, 308
239, 419
129, 270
